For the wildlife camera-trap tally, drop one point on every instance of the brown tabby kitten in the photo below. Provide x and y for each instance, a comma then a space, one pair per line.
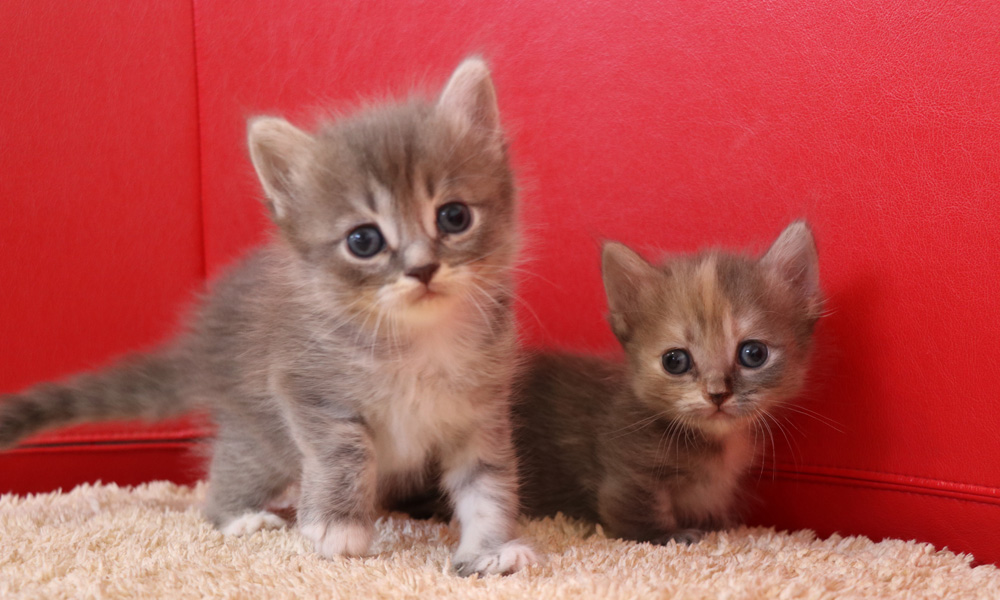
369, 341
654, 449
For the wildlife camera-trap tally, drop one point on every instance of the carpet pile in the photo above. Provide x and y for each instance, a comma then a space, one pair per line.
104, 541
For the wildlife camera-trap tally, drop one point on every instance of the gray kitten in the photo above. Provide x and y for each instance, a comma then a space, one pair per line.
654, 449
370, 341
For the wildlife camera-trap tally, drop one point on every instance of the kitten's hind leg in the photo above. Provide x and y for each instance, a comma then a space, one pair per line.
242, 481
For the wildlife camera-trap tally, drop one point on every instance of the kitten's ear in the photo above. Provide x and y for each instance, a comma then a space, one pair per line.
280, 153
794, 258
469, 98
626, 275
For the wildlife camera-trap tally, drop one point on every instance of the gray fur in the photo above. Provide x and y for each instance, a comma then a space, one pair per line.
343, 374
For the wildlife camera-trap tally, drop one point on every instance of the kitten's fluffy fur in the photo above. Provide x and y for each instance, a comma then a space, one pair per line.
348, 375
651, 455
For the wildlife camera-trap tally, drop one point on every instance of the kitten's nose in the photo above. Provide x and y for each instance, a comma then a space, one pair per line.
424, 273
720, 398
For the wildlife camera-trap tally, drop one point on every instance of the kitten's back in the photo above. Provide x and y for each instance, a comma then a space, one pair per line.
561, 401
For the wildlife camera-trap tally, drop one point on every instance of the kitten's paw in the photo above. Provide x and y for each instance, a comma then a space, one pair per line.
253, 522
681, 536
338, 539
508, 558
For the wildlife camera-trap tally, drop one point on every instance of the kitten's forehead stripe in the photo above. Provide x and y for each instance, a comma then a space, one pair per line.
369, 198
713, 308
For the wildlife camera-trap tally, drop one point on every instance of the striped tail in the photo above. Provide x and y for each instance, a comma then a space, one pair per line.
146, 386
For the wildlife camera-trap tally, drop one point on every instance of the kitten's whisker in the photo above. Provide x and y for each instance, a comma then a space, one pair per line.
485, 294
791, 446
471, 299
659, 448
763, 447
635, 425
517, 299
395, 346
479, 258
802, 410
774, 458
758, 458
521, 272
378, 322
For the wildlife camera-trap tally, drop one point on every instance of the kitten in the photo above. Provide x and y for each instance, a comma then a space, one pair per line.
654, 449
370, 341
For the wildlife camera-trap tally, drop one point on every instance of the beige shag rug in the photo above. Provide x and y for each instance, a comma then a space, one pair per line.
151, 541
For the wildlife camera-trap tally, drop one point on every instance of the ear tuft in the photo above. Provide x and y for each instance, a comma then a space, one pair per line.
469, 97
626, 274
793, 257
279, 151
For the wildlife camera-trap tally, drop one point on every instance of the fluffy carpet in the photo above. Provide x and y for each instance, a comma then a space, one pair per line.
109, 542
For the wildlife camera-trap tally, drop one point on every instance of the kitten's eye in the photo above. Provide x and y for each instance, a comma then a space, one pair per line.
454, 217
365, 241
752, 354
676, 361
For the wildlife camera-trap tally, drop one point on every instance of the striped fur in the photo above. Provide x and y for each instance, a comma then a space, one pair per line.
646, 452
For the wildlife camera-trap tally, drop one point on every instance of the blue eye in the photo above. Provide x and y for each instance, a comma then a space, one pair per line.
454, 217
365, 241
676, 361
752, 354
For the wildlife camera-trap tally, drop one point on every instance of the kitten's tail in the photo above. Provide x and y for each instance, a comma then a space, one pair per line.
143, 386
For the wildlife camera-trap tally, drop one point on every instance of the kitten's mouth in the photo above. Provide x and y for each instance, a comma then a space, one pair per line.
721, 415
425, 294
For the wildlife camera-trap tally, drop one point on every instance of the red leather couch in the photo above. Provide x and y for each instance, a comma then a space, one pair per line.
124, 183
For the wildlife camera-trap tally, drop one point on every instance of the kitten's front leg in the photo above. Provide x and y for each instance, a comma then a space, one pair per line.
481, 479
337, 504
642, 513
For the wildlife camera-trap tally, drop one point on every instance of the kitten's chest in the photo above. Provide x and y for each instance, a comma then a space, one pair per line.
709, 494
427, 400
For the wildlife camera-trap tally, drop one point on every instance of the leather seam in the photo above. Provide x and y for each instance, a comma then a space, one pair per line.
130, 445
180, 434
200, 138
872, 474
883, 487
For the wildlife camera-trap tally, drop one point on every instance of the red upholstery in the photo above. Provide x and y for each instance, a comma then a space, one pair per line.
668, 127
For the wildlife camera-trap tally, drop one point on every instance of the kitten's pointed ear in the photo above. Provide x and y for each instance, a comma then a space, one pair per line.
280, 152
794, 258
469, 97
626, 275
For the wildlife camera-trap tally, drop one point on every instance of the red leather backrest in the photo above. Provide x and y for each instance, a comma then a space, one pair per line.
100, 227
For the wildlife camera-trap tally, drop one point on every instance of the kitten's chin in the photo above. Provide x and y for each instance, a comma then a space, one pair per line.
425, 308
720, 422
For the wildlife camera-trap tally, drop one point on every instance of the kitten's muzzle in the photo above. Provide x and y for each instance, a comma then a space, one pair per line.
424, 273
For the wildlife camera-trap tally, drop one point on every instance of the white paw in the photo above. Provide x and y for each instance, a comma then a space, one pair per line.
338, 539
681, 536
508, 558
253, 522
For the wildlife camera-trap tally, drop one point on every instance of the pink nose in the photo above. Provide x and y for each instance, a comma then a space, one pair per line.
720, 398
425, 273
